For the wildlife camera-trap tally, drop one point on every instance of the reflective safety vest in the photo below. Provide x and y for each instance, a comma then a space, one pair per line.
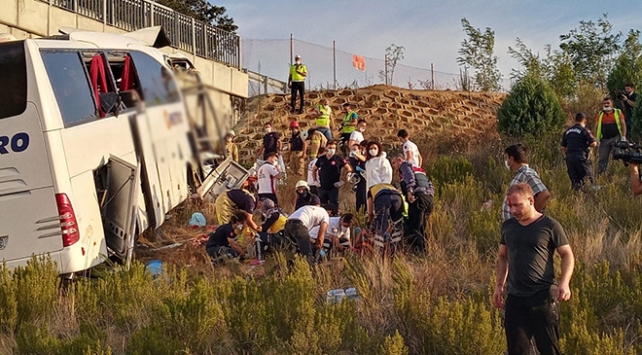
324, 119
347, 119
616, 113
295, 71
278, 225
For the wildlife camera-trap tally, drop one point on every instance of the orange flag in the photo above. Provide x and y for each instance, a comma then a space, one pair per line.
358, 62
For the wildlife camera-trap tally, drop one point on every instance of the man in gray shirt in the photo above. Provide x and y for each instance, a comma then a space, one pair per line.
525, 258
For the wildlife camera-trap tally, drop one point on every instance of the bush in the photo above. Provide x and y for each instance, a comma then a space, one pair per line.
531, 108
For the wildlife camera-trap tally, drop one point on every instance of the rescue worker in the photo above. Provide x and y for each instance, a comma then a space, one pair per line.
378, 168
229, 202
576, 142
223, 242
419, 193
330, 166
610, 128
356, 137
323, 114
268, 173
272, 142
337, 236
296, 82
627, 100
385, 213
231, 150
313, 182
358, 163
303, 196
271, 234
299, 225
348, 125
298, 147
317, 141
410, 150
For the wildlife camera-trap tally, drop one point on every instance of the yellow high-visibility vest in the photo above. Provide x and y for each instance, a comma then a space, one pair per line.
324, 119
296, 70
616, 113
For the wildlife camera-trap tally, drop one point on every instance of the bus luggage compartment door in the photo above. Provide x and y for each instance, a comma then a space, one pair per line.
118, 184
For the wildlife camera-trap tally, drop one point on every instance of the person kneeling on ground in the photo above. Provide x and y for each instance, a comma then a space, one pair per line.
299, 225
229, 202
271, 234
223, 243
385, 213
337, 236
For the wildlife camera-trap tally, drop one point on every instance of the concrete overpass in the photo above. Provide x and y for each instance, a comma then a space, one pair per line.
216, 53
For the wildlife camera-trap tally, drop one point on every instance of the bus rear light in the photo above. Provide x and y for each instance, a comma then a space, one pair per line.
68, 222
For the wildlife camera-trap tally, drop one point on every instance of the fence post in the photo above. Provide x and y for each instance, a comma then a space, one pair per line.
104, 14
194, 37
291, 48
240, 49
206, 51
432, 76
265, 84
334, 62
151, 13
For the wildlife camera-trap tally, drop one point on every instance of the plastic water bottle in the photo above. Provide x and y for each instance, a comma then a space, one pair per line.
335, 296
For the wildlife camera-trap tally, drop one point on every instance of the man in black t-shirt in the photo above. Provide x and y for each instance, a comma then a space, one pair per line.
330, 176
628, 104
271, 143
525, 258
576, 142
223, 242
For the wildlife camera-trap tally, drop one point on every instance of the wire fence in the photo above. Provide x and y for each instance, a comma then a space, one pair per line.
272, 58
184, 32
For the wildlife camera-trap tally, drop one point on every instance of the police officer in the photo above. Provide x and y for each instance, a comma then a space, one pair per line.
575, 144
296, 82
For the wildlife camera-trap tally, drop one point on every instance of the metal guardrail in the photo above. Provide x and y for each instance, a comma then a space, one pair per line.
266, 82
184, 32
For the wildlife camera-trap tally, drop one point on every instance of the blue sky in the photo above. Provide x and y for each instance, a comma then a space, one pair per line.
430, 31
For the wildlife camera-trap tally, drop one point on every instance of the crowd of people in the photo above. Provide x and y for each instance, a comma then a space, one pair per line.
397, 215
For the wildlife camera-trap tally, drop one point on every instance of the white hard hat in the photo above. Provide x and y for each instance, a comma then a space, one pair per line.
302, 183
297, 56
231, 133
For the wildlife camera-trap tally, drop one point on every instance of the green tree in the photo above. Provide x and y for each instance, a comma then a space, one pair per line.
531, 62
477, 52
394, 54
591, 48
204, 11
628, 65
531, 108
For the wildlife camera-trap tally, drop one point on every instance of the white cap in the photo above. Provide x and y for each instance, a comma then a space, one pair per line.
302, 183
231, 133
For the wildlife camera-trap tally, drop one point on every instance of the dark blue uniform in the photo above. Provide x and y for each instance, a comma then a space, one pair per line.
577, 140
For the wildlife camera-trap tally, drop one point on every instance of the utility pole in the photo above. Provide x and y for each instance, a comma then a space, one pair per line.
334, 62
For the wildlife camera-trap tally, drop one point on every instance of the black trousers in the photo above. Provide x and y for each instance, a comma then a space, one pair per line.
579, 168
296, 231
360, 195
536, 317
415, 229
314, 190
388, 207
329, 196
297, 87
345, 139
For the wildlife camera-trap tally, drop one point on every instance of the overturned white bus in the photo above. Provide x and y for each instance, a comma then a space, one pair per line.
94, 147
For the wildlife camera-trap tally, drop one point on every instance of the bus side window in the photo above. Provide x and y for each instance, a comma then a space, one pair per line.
102, 84
156, 81
122, 69
13, 71
70, 85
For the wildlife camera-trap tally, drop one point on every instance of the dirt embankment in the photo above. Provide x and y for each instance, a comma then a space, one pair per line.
425, 114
